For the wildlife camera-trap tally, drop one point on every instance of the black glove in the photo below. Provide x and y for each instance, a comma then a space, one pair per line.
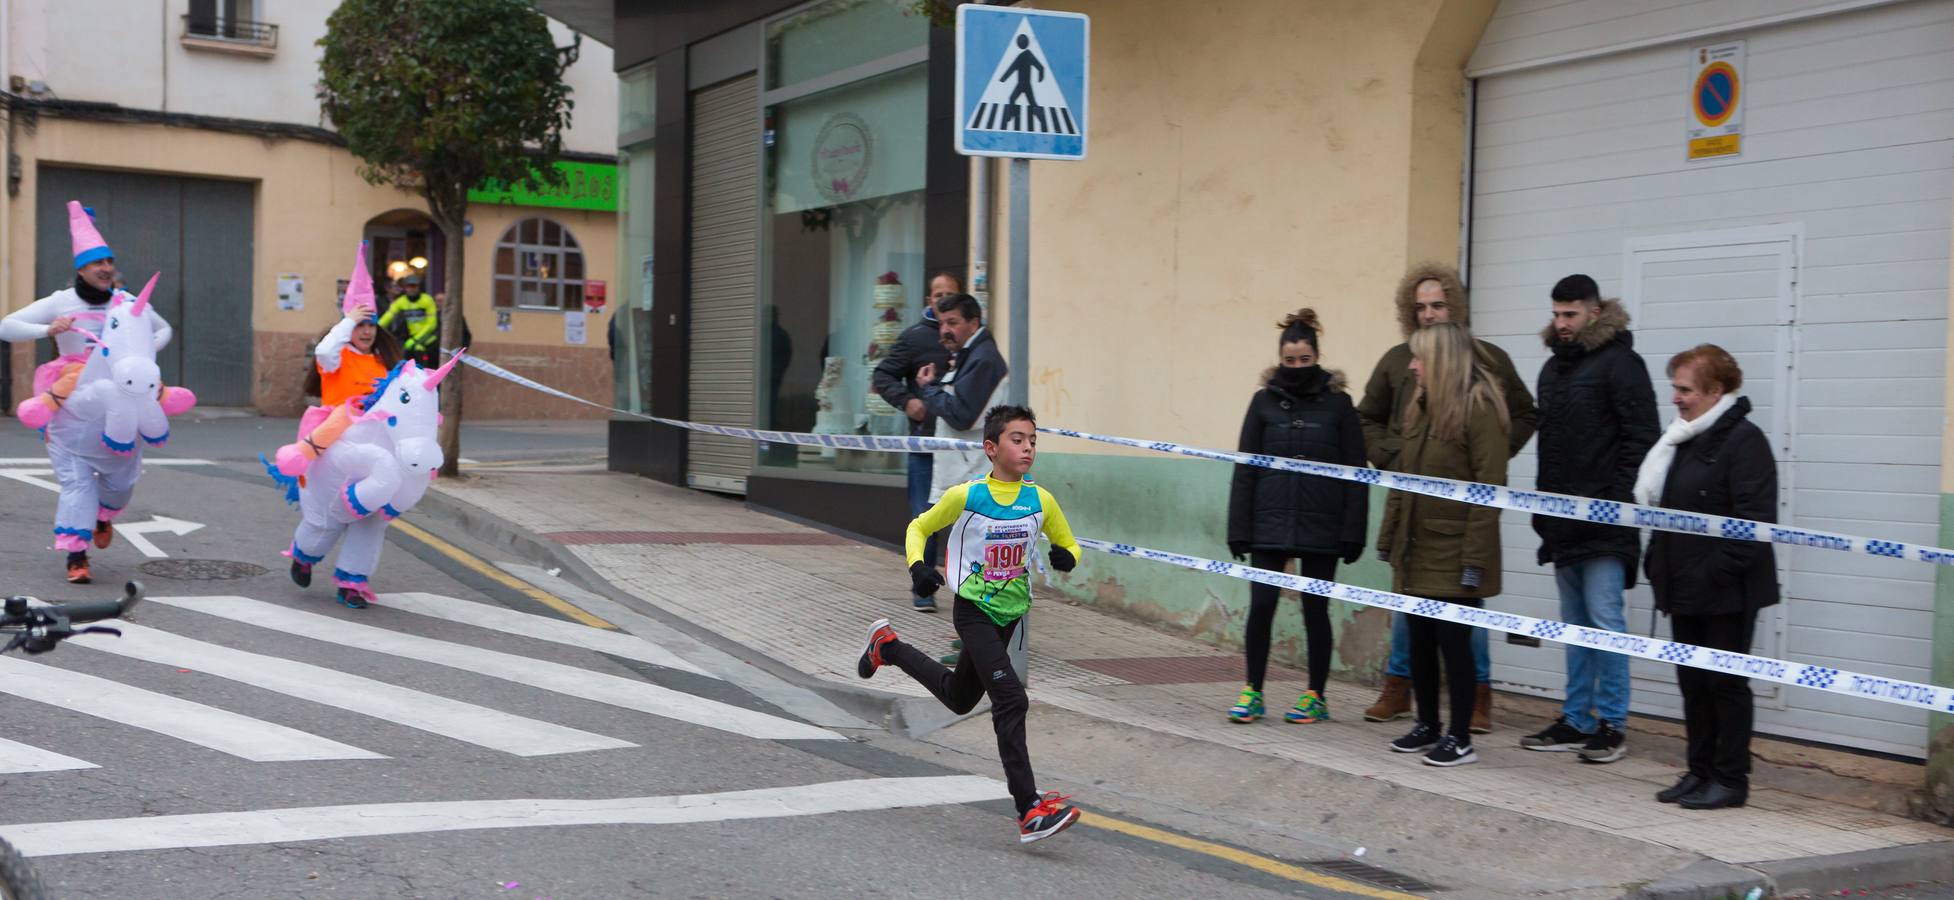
1352, 551
1239, 549
1063, 560
924, 579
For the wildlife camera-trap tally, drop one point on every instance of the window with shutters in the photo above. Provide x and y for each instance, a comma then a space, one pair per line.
234, 26
539, 265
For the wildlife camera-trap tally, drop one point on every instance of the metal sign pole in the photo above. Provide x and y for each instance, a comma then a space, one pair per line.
1020, 358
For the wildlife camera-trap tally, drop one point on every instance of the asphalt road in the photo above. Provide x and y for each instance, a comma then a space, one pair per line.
247, 738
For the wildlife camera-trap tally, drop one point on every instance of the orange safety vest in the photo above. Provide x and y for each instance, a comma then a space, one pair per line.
355, 377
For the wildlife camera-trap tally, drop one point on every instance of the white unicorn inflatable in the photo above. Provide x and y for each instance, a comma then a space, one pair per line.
107, 403
355, 468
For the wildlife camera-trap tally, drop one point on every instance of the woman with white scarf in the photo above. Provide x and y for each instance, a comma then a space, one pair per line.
1712, 460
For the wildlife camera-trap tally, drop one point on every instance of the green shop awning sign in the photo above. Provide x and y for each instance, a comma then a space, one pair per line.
585, 186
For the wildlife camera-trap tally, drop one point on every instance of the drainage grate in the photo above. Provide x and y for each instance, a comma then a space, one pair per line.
201, 569
1350, 868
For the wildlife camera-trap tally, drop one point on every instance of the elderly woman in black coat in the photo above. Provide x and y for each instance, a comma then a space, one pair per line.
1302, 412
1712, 460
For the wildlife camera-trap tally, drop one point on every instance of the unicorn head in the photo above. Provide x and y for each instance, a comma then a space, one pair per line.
408, 403
128, 344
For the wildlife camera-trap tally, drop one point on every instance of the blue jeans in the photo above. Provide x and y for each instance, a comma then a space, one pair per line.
1399, 665
921, 467
1597, 680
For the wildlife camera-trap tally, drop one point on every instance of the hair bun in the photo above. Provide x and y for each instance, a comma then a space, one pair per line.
1305, 318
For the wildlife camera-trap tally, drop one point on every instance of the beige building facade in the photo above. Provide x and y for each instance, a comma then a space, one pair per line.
205, 157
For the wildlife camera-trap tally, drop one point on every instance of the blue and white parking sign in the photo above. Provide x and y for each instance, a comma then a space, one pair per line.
1021, 82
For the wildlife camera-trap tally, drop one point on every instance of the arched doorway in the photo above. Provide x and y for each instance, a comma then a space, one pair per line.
405, 242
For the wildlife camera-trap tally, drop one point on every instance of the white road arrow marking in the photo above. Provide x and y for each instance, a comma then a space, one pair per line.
33, 477
134, 531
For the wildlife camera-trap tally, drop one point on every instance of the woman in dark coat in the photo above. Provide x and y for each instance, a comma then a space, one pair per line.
1712, 460
1301, 412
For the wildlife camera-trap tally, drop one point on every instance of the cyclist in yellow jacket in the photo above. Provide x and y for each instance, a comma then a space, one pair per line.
422, 318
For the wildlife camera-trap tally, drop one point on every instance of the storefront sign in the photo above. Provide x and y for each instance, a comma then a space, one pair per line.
594, 295
585, 185
841, 157
1716, 101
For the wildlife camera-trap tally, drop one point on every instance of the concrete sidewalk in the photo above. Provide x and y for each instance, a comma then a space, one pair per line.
804, 597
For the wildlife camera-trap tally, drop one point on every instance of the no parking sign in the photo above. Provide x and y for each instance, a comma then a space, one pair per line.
1716, 101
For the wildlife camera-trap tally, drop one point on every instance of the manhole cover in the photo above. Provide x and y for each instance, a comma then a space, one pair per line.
201, 569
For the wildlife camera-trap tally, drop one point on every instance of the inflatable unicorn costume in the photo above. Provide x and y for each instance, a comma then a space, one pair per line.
359, 465
99, 400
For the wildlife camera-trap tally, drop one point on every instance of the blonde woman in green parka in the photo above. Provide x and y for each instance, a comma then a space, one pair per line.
1456, 426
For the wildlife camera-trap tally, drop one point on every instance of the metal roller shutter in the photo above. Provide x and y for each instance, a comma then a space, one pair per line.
1819, 258
724, 262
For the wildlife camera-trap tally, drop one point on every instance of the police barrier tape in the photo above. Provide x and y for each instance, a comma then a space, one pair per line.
1824, 678
1587, 509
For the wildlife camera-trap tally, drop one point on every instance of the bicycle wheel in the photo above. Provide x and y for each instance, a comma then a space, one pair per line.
18, 880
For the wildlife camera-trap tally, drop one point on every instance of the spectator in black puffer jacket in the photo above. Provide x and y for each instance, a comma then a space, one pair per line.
1597, 421
1301, 412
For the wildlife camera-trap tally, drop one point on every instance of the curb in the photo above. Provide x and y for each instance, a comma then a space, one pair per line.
880, 708
1817, 875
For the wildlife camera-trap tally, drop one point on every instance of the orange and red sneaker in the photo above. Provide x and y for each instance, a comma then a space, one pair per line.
1048, 818
104, 535
78, 571
879, 633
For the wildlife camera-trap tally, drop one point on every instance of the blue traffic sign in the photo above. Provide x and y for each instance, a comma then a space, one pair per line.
1021, 82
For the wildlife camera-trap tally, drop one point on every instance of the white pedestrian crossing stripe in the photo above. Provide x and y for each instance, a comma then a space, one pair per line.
558, 631
374, 819
16, 757
465, 722
1023, 96
629, 693
220, 730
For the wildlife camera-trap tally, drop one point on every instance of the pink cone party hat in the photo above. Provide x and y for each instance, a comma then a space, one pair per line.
359, 288
88, 242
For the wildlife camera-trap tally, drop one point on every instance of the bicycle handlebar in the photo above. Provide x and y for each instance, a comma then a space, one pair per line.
96, 610
37, 629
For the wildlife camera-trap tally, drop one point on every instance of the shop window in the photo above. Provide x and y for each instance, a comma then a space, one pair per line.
539, 265
844, 250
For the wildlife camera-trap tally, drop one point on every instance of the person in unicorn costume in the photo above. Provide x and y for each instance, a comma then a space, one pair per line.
360, 464
102, 396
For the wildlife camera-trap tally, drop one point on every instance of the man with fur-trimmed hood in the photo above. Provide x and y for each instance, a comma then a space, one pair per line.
1598, 419
1428, 294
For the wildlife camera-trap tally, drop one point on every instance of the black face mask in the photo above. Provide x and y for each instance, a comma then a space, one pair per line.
1296, 379
89, 293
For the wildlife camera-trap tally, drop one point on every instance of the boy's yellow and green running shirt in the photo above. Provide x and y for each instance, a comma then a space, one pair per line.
994, 527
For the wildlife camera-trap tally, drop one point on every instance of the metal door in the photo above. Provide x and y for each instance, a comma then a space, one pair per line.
197, 233
724, 258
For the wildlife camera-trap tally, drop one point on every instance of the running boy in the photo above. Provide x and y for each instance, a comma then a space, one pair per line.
993, 525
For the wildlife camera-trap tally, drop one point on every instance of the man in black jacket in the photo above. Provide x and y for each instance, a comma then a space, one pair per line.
894, 379
1597, 421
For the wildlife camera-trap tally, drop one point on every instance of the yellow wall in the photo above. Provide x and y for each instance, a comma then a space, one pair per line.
1244, 161
310, 211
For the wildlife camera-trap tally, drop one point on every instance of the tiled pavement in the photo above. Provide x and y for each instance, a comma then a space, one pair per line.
804, 598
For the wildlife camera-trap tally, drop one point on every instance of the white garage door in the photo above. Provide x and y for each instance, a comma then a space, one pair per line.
1819, 257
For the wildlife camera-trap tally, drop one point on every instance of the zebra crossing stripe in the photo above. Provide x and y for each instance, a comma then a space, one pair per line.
205, 726
464, 722
317, 823
542, 628
598, 687
16, 757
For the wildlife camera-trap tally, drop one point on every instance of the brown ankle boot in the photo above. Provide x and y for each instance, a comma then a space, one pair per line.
1393, 703
1482, 709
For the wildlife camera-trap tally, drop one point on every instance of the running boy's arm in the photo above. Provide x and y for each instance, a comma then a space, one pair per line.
933, 520
1056, 528
327, 353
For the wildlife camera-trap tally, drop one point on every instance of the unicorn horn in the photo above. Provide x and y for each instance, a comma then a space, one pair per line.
142, 299
434, 378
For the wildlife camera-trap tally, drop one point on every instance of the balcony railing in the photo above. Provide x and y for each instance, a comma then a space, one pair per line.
257, 36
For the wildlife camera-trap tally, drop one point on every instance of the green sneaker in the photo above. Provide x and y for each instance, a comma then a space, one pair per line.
1248, 707
1309, 708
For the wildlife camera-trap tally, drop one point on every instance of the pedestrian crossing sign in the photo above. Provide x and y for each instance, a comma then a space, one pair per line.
1021, 82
